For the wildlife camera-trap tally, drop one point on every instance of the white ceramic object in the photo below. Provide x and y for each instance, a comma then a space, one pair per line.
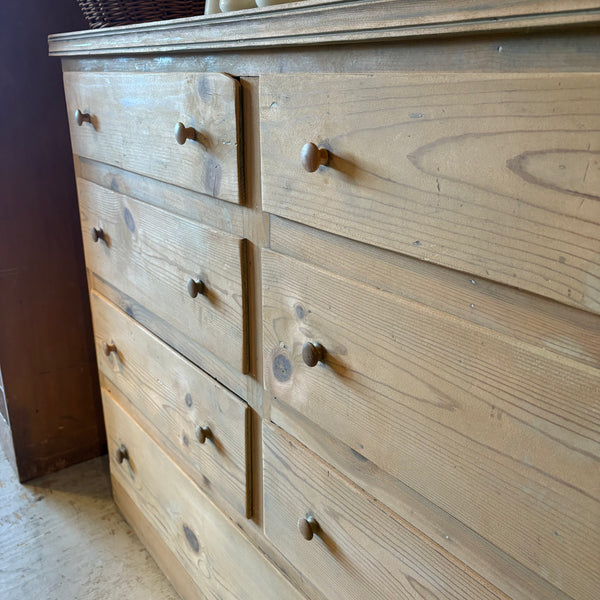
229, 5
211, 7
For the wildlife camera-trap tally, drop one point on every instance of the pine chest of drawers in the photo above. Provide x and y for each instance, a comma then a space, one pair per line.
344, 270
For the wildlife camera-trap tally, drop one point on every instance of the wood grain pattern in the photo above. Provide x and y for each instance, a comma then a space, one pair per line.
465, 405
207, 210
327, 22
133, 119
156, 545
215, 553
151, 254
543, 51
479, 424
192, 349
493, 175
170, 397
362, 551
495, 566
534, 320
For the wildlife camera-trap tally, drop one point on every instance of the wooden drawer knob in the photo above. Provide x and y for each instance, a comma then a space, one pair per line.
81, 117
308, 527
203, 433
313, 157
312, 354
121, 454
183, 133
108, 348
97, 234
195, 287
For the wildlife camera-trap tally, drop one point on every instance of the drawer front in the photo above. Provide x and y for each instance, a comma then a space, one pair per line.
213, 551
199, 423
497, 176
132, 118
359, 549
156, 258
481, 425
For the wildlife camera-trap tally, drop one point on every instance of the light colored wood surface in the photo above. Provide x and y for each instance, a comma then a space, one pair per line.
495, 566
527, 318
133, 127
252, 527
362, 551
62, 537
256, 227
170, 397
327, 22
495, 176
187, 346
554, 50
155, 544
209, 211
138, 262
478, 423
215, 553
466, 406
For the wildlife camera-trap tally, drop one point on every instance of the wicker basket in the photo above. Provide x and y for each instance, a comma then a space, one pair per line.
108, 13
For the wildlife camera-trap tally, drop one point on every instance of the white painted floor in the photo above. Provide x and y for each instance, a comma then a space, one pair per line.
62, 538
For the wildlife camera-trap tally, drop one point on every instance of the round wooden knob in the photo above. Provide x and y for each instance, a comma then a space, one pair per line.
308, 527
312, 354
121, 454
203, 433
183, 133
97, 233
108, 348
313, 157
81, 117
195, 287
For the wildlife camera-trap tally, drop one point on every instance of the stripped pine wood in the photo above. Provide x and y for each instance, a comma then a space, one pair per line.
495, 566
479, 424
447, 435
134, 258
531, 319
362, 551
170, 397
132, 119
215, 553
328, 22
183, 343
156, 545
495, 175
209, 211
507, 52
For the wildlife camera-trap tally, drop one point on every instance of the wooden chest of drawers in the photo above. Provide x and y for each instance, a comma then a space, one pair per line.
345, 281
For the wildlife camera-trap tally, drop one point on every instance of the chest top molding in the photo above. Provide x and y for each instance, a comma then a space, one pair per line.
328, 22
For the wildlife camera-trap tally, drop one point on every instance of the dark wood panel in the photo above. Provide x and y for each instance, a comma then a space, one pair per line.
46, 346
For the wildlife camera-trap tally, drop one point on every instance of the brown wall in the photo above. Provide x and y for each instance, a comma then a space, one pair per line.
46, 347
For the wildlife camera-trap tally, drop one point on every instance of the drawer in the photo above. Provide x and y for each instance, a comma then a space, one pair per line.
189, 275
212, 550
481, 425
492, 175
200, 424
359, 550
132, 120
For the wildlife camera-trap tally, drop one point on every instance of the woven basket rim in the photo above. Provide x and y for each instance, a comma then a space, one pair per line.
111, 13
